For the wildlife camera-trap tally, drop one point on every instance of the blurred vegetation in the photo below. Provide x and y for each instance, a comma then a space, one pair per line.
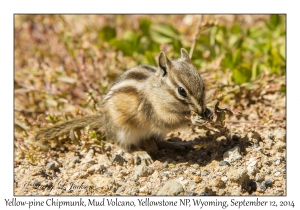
64, 64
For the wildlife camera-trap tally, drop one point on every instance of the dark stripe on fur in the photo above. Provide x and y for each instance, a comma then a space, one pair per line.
149, 68
127, 89
136, 76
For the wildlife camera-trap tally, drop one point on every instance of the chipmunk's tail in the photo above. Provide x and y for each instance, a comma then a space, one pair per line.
94, 121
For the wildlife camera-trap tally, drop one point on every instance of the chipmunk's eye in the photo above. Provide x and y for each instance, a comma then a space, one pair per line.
182, 92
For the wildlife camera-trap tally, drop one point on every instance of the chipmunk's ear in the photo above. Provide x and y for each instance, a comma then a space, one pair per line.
164, 63
185, 55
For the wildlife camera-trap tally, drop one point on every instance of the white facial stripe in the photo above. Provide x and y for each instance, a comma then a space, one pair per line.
196, 104
170, 84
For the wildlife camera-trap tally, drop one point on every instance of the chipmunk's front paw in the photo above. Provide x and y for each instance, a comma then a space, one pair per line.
142, 157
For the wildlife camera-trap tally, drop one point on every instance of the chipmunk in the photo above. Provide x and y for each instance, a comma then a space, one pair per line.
145, 103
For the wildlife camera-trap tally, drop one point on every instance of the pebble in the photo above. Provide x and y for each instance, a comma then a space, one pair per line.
171, 188
174, 170
262, 187
118, 159
253, 136
51, 166
109, 173
224, 178
280, 134
236, 192
36, 184
155, 175
238, 164
271, 136
128, 158
83, 174
75, 175
268, 182
75, 159
266, 161
103, 159
205, 173
280, 146
277, 173
198, 173
251, 166
268, 144
71, 165
221, 138
192, 185
156, 165
222, 192
232, 155
195, 166
107, 147
144, 190
89, 155
142, 171
277, 162
96, 168
102, 182
238, 175
217, 182
197, 179
153, 192
83, 152
84, 167
120, 189
259, 177
189, 193
224, 163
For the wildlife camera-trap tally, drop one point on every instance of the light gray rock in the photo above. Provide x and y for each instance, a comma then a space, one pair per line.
96, 168
118, 159
252, 166
75, 159
103, 159
238, 175
268, 144
236, 192
171, 188
51, 166
253, 136
232, 155
259, 177
102, 182
142, 171
89, 155
280, 134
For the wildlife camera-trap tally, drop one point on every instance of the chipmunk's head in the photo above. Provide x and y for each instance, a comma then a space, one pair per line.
183, 82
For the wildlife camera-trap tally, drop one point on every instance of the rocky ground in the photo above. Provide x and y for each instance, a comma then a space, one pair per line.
246, 160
